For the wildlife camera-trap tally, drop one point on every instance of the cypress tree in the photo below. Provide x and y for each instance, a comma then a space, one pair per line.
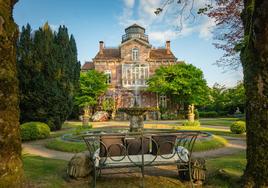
54, 72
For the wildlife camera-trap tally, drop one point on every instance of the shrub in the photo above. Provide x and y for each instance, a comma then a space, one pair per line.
169, 116
210, 114
196, 114
238, 127
81, 129
191, 123
34, 130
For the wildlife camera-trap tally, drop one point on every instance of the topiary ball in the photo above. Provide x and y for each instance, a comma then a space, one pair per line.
238, 127
34, 131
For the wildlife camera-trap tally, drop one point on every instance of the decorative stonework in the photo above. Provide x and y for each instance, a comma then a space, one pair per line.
122, 82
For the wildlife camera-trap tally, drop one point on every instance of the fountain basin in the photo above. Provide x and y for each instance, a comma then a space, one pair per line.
136, 116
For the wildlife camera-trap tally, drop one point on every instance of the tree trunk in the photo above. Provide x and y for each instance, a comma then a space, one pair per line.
254, 59
11, 171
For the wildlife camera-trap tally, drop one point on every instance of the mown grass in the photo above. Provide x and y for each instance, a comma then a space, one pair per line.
215, 143
225, 172
217, 122
51, 173
44, 172
222, 172
66, 146
215, 131
61, 145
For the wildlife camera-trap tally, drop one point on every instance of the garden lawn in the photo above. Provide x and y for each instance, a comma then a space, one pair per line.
226, 171
43, 172
227, 122
74, 147
215, 143
66, 146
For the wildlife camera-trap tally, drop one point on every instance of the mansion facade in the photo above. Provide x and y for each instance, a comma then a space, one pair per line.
128, 67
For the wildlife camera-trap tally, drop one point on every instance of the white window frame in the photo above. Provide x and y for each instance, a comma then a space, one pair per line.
135, 54
163, 101
135, 75
108, 73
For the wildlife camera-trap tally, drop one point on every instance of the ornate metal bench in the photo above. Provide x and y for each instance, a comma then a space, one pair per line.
141, 149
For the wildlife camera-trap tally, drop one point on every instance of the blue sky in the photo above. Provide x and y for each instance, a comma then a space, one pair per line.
93, 20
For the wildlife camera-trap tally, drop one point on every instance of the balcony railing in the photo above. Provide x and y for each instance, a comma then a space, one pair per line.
128, 36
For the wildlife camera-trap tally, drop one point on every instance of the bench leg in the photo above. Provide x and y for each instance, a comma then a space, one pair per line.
190, 174
142, 173
94, 177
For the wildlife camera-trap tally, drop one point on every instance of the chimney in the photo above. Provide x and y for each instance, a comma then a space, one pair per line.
168, 46
101, 47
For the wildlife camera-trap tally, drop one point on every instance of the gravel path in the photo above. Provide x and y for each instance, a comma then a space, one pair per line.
38, 148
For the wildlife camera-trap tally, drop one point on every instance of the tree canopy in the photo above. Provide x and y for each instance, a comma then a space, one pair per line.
183, 82
48, 74
92, 86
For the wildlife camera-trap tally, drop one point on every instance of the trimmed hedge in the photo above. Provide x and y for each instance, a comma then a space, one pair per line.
238, 127
34, 131
169, 116
210, 114
193, 123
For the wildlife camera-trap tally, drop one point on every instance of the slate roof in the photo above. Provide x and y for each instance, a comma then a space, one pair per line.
161, 53
88, 65
114, 53
109, 53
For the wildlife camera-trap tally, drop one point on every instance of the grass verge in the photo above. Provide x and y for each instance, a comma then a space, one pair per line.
225, 172
215, 143
44, 172
61, 145
74, 147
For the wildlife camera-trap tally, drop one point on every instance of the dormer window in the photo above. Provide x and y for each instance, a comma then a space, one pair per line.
135, 54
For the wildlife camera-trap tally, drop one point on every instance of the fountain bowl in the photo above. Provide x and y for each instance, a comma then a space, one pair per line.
137, 111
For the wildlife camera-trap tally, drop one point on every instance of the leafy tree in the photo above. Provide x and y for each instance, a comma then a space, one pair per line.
227, 15
11, 173
253, 55
48, 74
92, 86
222, 99
183, 83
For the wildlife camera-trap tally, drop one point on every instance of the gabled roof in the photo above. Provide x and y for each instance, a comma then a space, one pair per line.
88, 66
138, 40
109, 53
161, 53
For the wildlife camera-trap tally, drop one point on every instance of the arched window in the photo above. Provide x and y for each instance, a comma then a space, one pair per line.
135, 54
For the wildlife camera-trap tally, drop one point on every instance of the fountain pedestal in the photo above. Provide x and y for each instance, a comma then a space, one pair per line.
136, 123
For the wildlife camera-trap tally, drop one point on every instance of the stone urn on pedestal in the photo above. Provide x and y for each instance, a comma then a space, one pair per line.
191, 113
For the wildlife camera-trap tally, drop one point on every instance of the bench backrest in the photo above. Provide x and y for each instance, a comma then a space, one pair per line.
140, 143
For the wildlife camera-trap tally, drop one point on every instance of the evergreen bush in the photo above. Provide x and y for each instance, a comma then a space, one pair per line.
238, 127
34, 131
210, 114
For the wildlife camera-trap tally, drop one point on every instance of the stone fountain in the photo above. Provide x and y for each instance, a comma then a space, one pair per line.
136, 113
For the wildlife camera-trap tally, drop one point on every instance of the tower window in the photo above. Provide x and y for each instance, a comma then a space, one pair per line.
135, 54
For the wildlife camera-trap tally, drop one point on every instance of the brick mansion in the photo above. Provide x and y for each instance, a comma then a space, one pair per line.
129, 66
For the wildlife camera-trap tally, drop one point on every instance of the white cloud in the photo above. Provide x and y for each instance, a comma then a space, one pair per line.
129, 3
163, 27
206, 28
